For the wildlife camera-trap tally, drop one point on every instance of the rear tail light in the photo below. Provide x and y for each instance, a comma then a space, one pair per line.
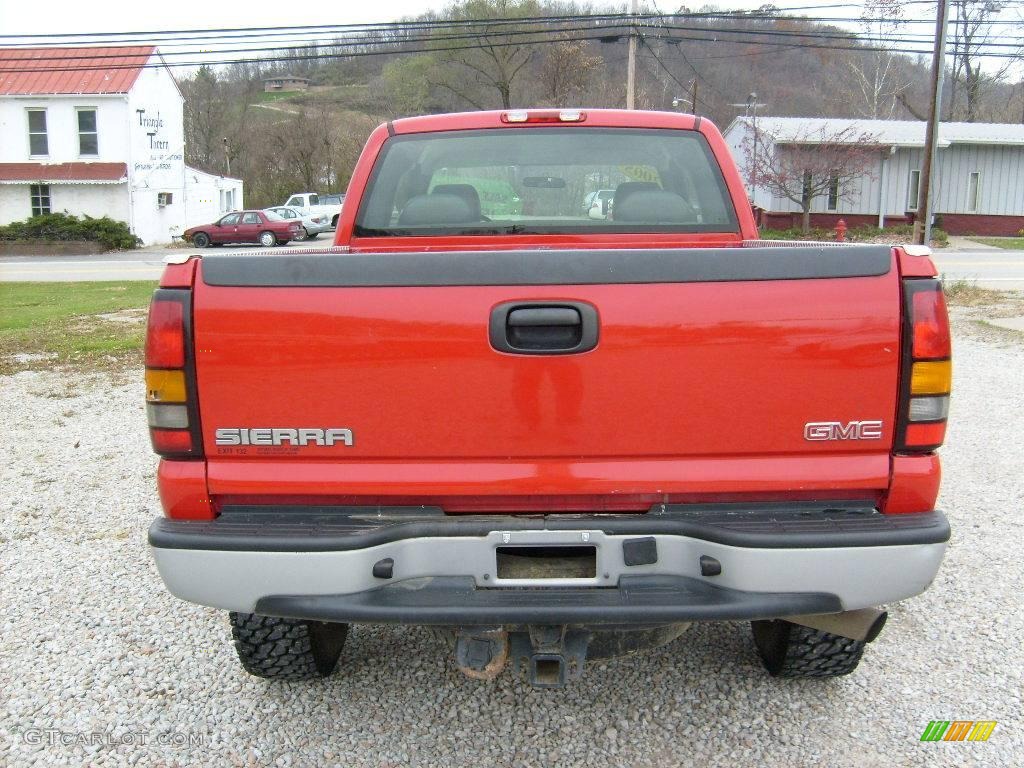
171, 407
165, 340
927, 374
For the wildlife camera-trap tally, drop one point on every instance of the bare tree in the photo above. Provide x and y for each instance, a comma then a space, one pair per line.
476, 75
973, 27
811, 163
215, 110
566, 70
876, 73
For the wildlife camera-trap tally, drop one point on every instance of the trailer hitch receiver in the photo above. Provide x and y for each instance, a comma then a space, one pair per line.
549, 656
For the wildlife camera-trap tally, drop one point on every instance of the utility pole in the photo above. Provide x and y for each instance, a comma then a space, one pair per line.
693, 96
227, 157
750, 109
923, 222
631, 64
752, 104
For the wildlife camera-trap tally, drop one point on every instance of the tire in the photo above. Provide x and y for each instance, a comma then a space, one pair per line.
286, 649
201, 240
792, 650
301, 235
267, 239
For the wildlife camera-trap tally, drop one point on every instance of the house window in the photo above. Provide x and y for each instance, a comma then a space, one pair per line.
88, 139
973, 191
37, 141
40, 194
833, 191
913, 190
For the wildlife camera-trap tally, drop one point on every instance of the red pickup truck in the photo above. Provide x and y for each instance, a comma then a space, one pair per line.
550, 437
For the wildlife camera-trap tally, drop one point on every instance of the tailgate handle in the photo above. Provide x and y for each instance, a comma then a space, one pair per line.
544, 328
536, 316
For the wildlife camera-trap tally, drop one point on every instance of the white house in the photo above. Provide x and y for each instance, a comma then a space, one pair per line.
100, 132
978, 177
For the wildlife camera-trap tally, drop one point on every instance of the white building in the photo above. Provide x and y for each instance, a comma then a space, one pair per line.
100, 132
978, 178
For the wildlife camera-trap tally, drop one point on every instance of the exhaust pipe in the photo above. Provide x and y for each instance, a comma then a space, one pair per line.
863, 624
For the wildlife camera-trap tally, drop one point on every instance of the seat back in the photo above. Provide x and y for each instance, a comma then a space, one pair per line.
466, 191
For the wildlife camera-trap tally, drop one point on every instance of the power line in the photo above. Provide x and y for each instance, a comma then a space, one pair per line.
366, 40
678, 82
398, 46
190, 35
307, 57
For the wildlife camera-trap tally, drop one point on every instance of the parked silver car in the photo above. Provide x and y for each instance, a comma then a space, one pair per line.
312, 224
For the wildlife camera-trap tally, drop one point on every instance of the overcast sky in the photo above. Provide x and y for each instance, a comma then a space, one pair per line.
19, 17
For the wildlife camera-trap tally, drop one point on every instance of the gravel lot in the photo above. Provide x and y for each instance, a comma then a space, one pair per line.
91, 642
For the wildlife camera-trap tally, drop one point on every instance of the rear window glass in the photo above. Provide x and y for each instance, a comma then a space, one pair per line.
545, 180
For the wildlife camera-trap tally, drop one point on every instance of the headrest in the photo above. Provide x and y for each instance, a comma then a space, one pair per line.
466, 191
654, 207
627, 188
436, 210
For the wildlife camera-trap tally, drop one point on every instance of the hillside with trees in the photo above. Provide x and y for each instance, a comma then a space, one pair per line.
492, 54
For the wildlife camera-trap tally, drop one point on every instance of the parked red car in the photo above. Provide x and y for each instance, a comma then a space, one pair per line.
263, 227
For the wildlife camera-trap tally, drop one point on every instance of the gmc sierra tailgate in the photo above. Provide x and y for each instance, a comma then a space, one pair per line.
548, 380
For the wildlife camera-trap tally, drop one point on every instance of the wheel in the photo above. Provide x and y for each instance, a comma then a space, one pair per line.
792, 650
334, 221
268, 239
286, 649
301, 235
201, 240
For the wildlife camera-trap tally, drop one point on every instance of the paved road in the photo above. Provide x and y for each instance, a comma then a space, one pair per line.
1003, 270
132, 265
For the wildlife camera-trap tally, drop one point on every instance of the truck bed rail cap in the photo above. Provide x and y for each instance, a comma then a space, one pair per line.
545, 267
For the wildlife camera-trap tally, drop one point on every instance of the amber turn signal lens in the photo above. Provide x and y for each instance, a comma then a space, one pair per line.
931, 378
165, 386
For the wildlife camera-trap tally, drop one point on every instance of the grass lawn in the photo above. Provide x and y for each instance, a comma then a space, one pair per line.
265, 96
47, 324
1009, 243
967, 293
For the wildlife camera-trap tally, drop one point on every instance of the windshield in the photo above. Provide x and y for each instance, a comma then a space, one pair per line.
271, 216
543, 180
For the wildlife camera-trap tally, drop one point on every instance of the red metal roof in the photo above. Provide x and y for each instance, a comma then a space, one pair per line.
31, 71
30, 172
